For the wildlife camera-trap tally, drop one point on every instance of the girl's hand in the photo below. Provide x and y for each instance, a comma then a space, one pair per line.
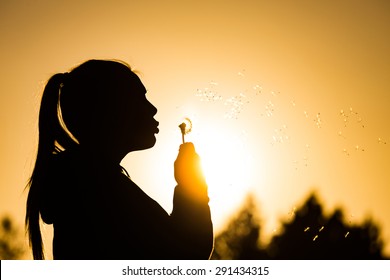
188, 171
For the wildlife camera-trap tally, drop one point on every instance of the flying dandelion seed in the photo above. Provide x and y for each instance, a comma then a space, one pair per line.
318, 120
269, 109
341, 135
305, 159
350, 115
381, 141
359, 148
208, 95
359, 120
280, 135
258, 89
236, 104
350, 219
345, 117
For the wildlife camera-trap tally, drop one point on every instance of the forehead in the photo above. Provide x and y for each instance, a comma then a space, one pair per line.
128, 83
134, 83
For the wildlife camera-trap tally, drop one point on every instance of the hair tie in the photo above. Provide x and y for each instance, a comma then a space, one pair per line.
65, 77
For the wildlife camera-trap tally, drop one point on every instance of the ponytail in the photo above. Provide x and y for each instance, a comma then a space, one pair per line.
51, 133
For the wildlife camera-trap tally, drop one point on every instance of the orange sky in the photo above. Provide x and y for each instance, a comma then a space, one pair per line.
296, 64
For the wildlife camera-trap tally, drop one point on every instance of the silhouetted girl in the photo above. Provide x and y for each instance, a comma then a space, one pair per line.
89, 120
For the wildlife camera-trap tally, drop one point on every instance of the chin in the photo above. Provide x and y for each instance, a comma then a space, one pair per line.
146, 144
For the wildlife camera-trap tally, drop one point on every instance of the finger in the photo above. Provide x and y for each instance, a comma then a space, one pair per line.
187, 147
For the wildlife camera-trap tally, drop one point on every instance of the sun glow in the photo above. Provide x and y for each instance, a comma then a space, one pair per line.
227, 165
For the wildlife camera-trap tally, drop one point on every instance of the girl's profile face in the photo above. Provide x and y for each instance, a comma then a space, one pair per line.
132, 125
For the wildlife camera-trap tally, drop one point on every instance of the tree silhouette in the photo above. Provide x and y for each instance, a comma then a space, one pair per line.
309, 234
11, 247
241, 238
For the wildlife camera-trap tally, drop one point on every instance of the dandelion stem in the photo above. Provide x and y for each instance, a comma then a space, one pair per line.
182, 127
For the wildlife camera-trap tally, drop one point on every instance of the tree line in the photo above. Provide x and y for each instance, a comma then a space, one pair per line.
308, 234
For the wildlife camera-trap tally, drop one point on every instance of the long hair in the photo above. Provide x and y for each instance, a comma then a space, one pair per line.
50, 131
64, 116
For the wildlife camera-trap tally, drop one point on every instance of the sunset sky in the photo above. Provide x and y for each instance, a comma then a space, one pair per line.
286, 97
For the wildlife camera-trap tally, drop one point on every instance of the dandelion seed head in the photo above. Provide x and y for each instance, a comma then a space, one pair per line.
186, 126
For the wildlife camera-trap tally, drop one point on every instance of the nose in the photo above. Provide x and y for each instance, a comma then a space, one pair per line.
153, 109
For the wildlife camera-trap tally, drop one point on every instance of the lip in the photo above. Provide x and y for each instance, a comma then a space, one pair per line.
156, 127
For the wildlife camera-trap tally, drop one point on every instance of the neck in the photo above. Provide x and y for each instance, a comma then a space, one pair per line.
98, 153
